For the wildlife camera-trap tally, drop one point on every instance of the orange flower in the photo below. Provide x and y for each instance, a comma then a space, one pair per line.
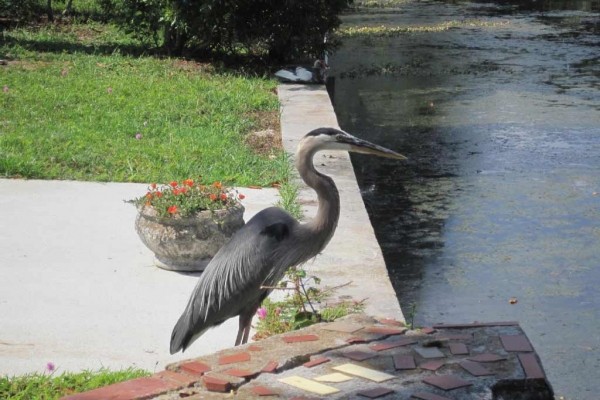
174, 184
149, 196
223, 197
172, 209
153, 185
218, 185
212, 196
241, 196
176, 191
158, 194
188, 182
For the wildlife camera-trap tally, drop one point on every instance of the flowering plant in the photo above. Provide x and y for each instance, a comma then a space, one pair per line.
185, 198
303, 306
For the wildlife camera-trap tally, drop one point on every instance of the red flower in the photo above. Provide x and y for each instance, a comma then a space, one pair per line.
149, 196
174, 184
188, 182
212, 196
223, 197
153, 185
241, 196
183, 190
158, 194
176, 191
172, 209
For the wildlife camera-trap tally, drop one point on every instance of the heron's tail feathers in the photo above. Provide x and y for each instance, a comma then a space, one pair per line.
184, 333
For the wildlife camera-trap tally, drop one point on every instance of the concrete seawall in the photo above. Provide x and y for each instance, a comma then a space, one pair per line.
353, 255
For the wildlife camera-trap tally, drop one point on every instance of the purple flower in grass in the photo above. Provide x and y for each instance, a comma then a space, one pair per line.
262, 313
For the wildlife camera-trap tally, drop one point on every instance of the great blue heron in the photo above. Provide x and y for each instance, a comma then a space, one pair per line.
238, 278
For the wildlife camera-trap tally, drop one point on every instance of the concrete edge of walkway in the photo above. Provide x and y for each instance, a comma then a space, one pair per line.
353, 259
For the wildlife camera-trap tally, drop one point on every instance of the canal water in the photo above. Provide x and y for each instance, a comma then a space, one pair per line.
496, 215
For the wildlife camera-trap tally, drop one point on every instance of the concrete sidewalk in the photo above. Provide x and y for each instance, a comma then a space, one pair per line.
77, 286
79, 289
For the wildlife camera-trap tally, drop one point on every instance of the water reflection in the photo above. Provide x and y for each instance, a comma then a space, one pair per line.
499, 198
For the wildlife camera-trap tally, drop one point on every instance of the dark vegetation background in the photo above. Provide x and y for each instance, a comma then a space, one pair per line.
276, 31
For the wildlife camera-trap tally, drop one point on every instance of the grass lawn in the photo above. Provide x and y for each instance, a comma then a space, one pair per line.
49, 386
83, 102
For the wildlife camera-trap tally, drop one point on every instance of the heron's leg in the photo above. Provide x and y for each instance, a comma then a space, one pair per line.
241, 329
245, 323
246, 333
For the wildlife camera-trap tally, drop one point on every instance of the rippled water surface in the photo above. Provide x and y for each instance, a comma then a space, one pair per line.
500, 199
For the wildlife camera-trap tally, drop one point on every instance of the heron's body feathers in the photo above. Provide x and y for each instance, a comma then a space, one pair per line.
257, 255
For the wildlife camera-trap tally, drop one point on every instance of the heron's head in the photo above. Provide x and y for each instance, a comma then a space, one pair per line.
335, 139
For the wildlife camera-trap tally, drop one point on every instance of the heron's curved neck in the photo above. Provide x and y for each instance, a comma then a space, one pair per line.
325, 222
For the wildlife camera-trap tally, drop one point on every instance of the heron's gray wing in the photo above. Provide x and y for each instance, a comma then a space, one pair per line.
232, 280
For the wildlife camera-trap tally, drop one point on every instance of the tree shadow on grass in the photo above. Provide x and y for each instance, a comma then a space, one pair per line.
245, 65
65, 46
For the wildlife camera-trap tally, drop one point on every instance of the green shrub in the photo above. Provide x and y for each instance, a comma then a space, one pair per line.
278, 29
21, 10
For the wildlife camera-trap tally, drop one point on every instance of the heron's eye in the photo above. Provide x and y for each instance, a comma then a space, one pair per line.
339, 137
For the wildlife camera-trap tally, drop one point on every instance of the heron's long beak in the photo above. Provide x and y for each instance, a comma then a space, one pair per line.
362, 146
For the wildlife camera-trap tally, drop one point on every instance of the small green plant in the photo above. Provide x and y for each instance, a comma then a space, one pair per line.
288, 193
303, 306
50, 386
410, 321
185, 198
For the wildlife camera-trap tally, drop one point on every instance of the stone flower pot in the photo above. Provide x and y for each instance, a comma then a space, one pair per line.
188, 243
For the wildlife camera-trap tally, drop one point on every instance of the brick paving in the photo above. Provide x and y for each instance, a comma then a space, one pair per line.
358, 357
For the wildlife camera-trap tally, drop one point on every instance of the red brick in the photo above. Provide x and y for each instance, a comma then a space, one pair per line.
263, 391
234, 358
375, 392
195, 367
240, 373
446, 382
182, 380
358, 355
533, 370
270, 367
316, 361
475, 369
355, 339
404, 361
300, 338
390, 345
458, 348
432, 365
515, 343
383, 330
213, 384
254, 347
389, 321
138, 389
